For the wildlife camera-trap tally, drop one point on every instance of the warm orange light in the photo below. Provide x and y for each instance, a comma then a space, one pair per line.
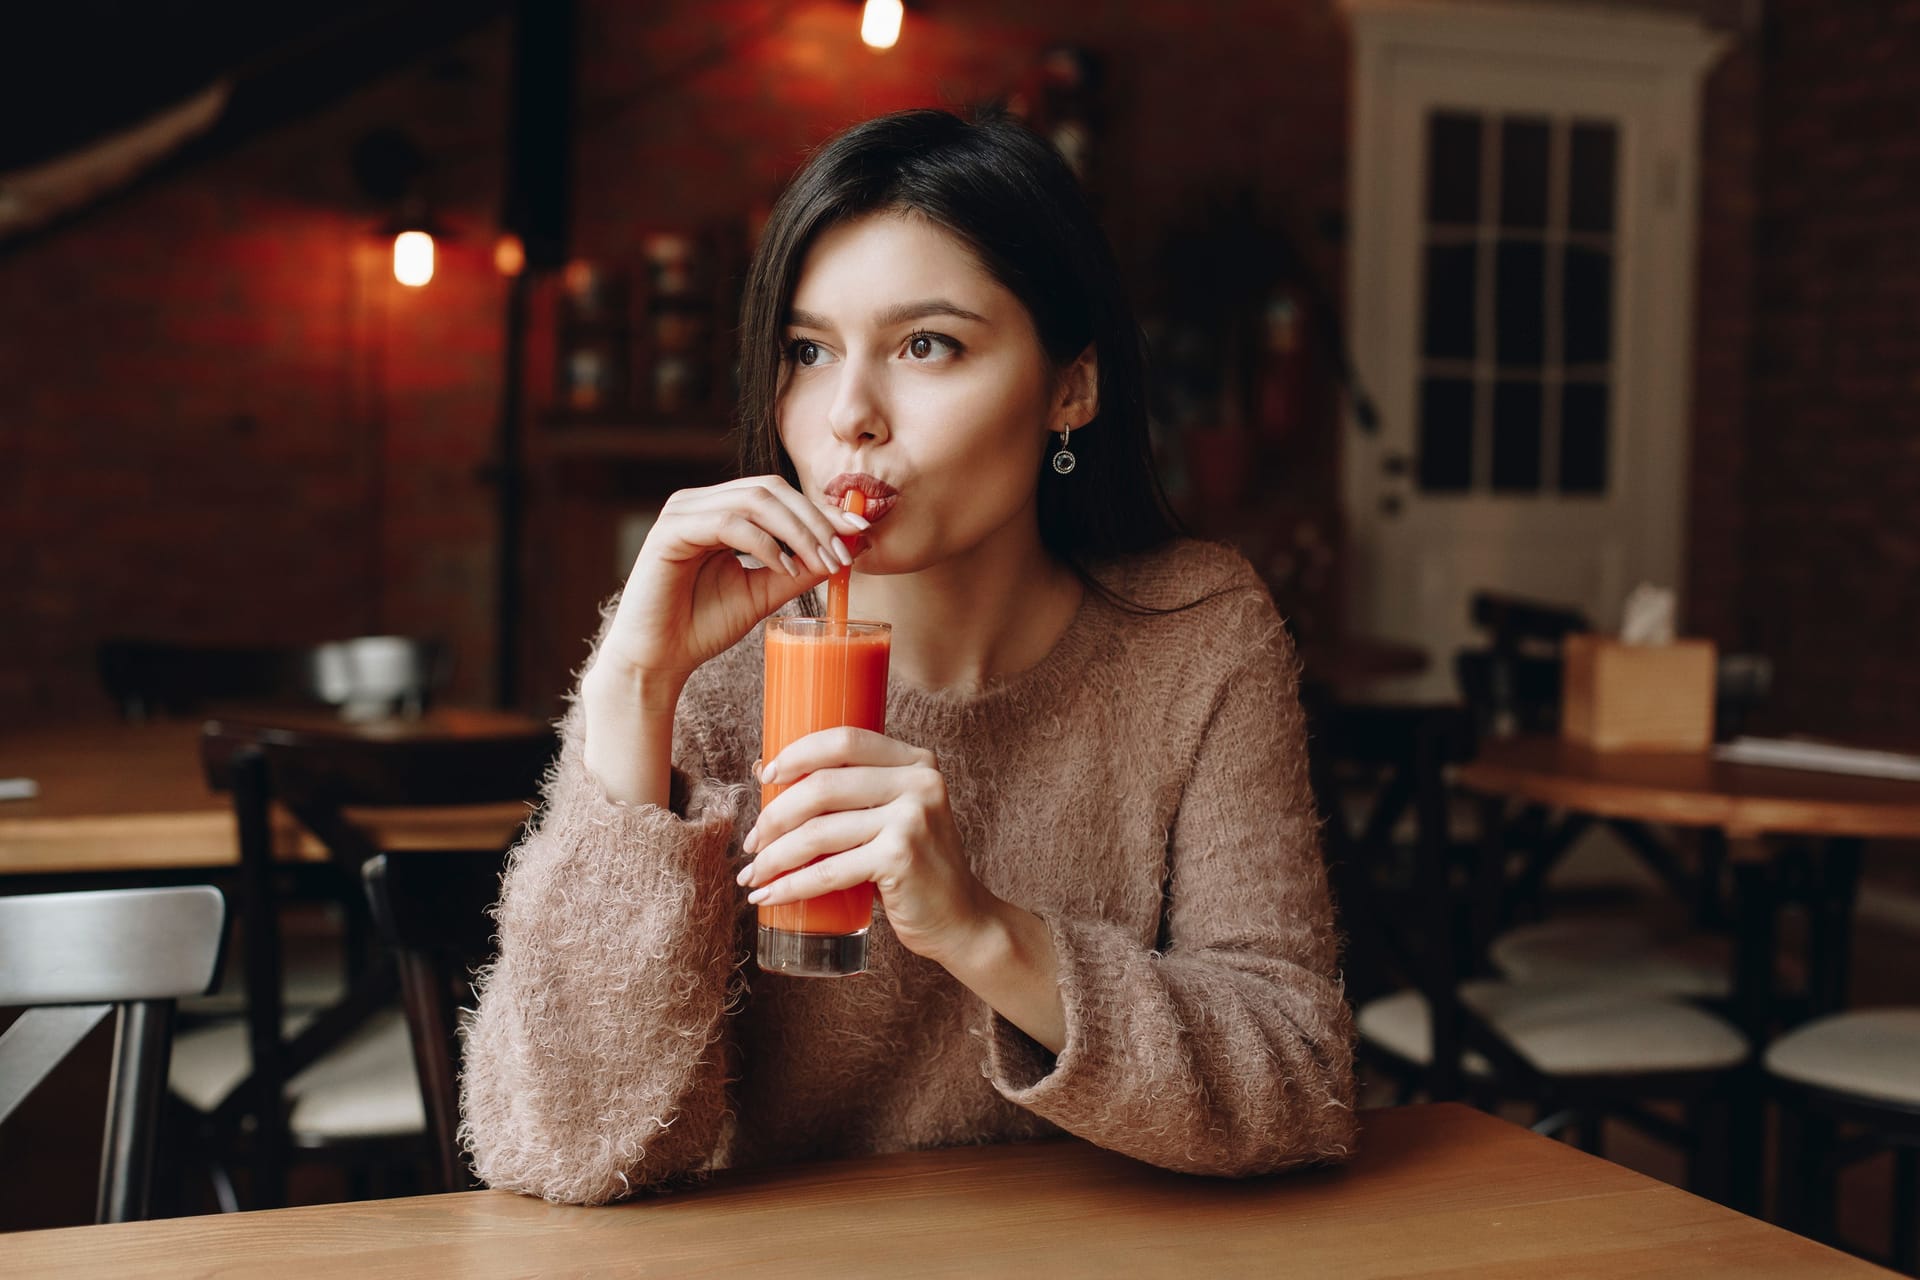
509, 255
413, 258
880, 24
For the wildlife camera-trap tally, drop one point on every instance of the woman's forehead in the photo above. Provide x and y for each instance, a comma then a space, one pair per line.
858, 271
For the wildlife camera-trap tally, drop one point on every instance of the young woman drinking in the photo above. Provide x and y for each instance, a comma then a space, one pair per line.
1102, 904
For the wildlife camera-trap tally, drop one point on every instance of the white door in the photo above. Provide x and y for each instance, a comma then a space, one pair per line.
1523, 198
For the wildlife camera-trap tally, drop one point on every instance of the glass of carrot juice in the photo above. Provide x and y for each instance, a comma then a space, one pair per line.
821, 674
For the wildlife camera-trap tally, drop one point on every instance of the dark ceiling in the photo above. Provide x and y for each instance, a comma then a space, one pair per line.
80, 70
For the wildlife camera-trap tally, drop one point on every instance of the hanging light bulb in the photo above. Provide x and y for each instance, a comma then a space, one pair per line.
880, 23
413, 258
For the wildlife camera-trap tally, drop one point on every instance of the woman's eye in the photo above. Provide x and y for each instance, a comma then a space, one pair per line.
925, 346
806, 353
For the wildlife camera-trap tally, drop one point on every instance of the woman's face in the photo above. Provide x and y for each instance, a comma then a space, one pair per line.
914, 375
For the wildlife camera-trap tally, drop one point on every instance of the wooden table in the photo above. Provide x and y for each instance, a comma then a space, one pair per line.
1434, 1190
126, 798
1742, 811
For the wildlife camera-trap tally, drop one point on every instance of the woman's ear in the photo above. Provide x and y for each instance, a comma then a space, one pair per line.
1078, 399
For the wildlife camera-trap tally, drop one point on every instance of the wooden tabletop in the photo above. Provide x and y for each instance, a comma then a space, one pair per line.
131, 797
1693, 789
1435, 1190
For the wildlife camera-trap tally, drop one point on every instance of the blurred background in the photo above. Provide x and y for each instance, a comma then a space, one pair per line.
332, 320
223, 417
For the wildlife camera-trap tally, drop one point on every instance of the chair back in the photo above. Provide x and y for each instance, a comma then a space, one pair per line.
73, 958
1513, 684
360, 678
432, 907
319, 775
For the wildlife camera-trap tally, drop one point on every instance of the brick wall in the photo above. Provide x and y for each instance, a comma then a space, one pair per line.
1832, 491
221, 419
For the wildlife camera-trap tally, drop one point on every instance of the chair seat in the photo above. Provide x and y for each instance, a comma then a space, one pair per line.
1872, 1054
1616, 951
210, 1062
1567, 1030
365, 1088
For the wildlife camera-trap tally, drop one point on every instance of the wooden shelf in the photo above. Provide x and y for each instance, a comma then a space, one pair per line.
636, 442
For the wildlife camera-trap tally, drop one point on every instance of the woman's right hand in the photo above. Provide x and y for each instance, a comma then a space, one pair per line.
689, 599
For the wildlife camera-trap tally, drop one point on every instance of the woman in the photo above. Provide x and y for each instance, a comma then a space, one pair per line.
1088, 824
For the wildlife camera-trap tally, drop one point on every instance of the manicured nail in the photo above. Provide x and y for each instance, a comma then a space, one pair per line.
859, 522
828, 558
758, 895
750, 844
787, 562
840, 549
745, 876
766, 774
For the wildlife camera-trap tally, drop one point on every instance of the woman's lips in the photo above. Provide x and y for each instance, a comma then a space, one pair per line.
881, 496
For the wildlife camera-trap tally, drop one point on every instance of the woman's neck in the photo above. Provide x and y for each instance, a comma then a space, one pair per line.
973, 619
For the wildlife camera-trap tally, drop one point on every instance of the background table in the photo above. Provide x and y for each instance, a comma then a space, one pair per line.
1437, 1190
1743, 810
130, 798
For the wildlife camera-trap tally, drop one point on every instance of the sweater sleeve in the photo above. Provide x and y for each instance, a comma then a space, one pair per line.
1230, 1051
594, 1064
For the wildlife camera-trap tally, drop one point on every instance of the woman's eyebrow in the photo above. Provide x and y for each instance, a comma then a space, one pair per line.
903, 313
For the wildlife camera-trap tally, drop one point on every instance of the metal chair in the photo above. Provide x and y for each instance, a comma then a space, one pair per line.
74, 958
358, 678
432, 907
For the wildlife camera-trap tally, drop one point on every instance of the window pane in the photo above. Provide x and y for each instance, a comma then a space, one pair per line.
1583, 437
1446, 435
1453, 168
1519, 303
1523, 173
1587, 306
1451, 270
1590, 197
1516, 437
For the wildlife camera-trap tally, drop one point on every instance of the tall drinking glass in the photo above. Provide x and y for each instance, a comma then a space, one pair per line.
820, 675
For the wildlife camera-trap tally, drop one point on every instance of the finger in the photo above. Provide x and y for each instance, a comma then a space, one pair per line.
837, 871
844, 746
818, 837
827, 791
803, 525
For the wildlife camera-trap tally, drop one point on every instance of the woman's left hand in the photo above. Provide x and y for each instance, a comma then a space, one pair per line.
868, 808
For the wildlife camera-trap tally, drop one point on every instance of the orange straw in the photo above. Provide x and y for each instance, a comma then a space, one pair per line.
856, 502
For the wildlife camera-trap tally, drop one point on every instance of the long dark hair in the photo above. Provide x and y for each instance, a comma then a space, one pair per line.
1010, 197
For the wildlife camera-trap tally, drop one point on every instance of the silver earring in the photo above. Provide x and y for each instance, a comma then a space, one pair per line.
1063, 461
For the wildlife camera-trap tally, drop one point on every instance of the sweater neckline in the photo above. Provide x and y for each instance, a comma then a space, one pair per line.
1032, 690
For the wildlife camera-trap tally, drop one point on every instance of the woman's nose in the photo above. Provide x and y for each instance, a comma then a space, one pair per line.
857, 413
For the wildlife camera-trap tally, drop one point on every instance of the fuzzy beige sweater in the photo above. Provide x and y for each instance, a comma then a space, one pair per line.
1143, 789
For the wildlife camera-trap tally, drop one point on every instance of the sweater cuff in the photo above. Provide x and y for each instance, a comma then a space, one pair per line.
703, 811
1026, 1072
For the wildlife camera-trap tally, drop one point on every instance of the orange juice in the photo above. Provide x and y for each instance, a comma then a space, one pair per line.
820, 675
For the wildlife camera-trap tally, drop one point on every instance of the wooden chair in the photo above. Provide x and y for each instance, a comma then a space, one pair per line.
73, 958
1849, 1087
432, 907
358, 678
339, 1079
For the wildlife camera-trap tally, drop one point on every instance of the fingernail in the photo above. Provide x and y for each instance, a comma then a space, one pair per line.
751, 843
787, 563
859, 522
745, 876
766, 774
758, 895
840, 549
827, 557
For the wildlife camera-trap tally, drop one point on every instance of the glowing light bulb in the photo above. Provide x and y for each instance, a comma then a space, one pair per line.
509, 255
413, 258
880, 23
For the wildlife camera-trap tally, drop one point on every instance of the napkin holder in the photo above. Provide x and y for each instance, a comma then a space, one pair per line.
1633, 697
